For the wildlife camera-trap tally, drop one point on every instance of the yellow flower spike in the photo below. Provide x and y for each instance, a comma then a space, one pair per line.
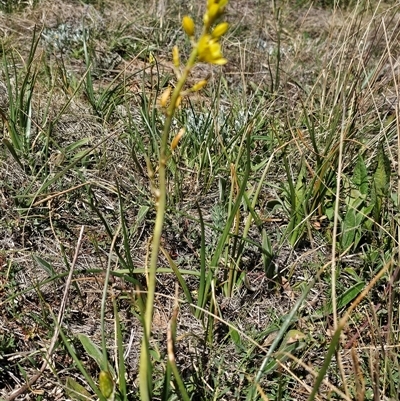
220, 30
175, 56
106, 384
188, 25
200, 85
203, 44
177, 138
165, 96
209, 51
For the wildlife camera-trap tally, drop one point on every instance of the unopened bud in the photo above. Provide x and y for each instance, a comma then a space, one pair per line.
188, 25
201, 84
175, 56
165, 96
177, 138
220, 30
178, 101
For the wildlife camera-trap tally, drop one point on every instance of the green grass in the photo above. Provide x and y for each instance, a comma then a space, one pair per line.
276, 277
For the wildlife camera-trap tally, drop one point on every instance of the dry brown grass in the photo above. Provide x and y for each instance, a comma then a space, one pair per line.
316, 45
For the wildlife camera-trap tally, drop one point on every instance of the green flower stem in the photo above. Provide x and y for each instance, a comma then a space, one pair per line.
160, 195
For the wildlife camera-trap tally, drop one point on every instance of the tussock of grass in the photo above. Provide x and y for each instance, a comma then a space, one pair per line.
282, 200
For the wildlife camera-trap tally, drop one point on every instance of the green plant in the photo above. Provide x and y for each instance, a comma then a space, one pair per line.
19, 121
364, 214
206, 49
9, 6
280, 206
106, 100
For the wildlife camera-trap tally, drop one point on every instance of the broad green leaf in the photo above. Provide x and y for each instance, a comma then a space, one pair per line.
142, 214
47, 267
76, 391
235, 336
93, 350
381, 175
106, 384
350, 227
360, 176
77, 144
345, 298
381, 181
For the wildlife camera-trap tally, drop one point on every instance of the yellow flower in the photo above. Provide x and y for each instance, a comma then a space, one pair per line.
175, 56
165, 97
178, 101
177, 138
220, 30
209, 51
199, 85
188, 25
215, 8
213, 11
221, 3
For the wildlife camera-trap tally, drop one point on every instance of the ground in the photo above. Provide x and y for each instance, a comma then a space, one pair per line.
309, 95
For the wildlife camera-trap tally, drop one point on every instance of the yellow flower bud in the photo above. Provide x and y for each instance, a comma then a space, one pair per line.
178, 101
213, 12
220, 30
165, 96
106, 384
177, 138
201, 84
175, 56
152, 60
206, 20
188, 25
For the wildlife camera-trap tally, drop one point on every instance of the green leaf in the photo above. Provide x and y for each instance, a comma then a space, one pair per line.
76, 144
267, 255
13, 152
300, 189
76, 391
178, 275
350, 226
381, 175
381, 181
106, 384
345, 298
235, 336
360, 176
296, 225
93, 350
47, 267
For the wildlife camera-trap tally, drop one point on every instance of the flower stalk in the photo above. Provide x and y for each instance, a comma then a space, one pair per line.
207, 49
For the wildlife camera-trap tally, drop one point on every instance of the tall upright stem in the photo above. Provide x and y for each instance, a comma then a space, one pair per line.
160, 201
